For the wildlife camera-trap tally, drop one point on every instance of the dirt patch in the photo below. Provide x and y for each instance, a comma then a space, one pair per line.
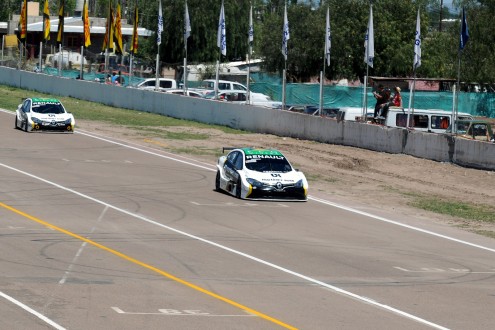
346, 173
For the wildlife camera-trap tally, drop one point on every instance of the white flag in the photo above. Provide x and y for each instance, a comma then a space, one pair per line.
160, 24
222, 35
286, 35
328, 38
417, 44
251, 26
369, 42
187, 25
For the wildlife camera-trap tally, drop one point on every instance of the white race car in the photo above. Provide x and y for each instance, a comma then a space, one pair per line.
43, 114
260, 174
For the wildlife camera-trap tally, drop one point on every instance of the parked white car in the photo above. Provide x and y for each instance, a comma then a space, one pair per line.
240, 97
189, 92
223, 85
150, 84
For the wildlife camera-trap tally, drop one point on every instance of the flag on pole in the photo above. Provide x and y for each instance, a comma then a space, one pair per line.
117, 31
328, 38
251, 28
23, 21
134, 42
61, 14
417, 44
464, 31
46, 22
286, 34
369, 41
160, 25
222, 34
108, 40
187, 26
85, 19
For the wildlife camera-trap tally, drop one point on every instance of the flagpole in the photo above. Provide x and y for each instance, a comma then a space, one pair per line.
322, 74
284, 80
41, 56
130, 68
410, 110
187, 31
81, 71
109, 20
250, 45
326, 58
416, 64
463, 40
285, 40
159, 42
41, 43
456, 113
368, 37
221, 44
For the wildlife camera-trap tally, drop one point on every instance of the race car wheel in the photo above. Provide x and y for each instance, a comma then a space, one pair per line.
217, 181
15, 122
26, 126
238, 188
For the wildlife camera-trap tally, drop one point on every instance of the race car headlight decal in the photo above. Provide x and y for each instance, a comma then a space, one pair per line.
255, 183
68, 121
36, 120
299, 184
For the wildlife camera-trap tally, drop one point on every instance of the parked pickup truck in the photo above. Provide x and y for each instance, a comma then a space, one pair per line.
479, 130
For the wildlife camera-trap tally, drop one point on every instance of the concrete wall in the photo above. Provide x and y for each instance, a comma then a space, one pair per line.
439, 147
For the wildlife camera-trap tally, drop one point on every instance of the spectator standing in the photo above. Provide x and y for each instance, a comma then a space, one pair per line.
380, 97
395, 102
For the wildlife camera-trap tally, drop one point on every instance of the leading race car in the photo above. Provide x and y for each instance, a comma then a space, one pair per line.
37, 114
260, 174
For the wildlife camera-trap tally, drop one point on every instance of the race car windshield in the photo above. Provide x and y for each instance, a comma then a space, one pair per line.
48, 108
268, 165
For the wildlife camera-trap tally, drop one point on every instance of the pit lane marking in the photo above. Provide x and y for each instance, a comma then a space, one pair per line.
177, 312
229, 204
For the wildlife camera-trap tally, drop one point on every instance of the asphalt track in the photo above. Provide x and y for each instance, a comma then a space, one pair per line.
97, 233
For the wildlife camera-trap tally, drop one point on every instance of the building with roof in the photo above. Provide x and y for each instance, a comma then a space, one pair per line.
73, 37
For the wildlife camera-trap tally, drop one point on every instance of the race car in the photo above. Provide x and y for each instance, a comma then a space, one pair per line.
259, 174
43, 114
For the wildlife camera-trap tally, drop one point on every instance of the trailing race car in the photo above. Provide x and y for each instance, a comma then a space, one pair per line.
37, 114
259, 174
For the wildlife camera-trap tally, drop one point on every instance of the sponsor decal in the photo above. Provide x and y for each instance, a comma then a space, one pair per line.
249, 157
262, 152
38, 101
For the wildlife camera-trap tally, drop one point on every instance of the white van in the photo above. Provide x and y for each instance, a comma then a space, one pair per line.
428, 120
353, 114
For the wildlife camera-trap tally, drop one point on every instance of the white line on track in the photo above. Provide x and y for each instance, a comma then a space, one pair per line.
223, 247
79, 252
32, 311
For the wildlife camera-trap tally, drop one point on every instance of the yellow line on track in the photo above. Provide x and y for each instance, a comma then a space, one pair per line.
144, 265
